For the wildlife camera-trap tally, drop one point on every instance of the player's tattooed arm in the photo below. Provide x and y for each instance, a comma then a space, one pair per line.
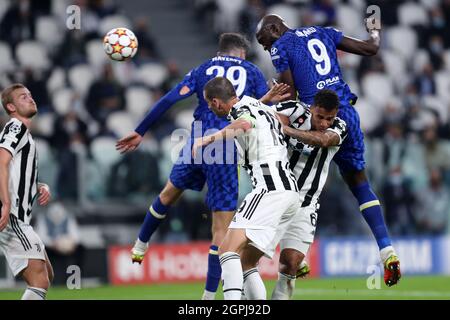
234, 129
367, 47
323, 139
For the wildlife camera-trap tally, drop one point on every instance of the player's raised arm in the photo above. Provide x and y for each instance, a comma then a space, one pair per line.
5, 159
367, 47
131, 141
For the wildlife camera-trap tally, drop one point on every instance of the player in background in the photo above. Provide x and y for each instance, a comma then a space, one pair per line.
22, 247
306, 59
222, 179
267, 210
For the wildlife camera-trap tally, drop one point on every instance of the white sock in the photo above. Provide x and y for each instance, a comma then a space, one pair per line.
232, 278
254, 286
141, 246
386, 253
33, 293
284, 288
208, 295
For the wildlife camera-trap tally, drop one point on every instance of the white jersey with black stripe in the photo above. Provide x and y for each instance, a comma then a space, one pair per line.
263, 149
17, 140
309, 164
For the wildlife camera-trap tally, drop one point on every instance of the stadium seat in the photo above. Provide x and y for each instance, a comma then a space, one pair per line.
370, 115
152, 74
402, 40
56, 80
447, 59
420, 59
139, 101
104, 152
95, 54
227, 15
350, 21
395, 67
436, 104
81, 77
6, 62
289, 13
120, 123
32, 54
378, 88
110, 22
412, 14
48, 32
442, 79
62, 100
43, 125
184, 119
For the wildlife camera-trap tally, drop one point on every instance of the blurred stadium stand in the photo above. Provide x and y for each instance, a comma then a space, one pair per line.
86, 102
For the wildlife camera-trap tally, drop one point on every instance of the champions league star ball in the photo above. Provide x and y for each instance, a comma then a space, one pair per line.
120, 44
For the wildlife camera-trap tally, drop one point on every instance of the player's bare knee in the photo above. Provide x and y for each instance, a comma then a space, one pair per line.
170, 194
38, 277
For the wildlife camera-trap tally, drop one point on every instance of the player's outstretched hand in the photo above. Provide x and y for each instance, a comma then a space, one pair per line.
44, 194
372, 24
198, 143
4, 216
129, 143
278, 92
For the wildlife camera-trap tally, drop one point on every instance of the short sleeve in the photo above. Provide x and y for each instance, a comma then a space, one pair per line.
12, 137
335, 34
243, 112
297, 111
279, 56
340, 128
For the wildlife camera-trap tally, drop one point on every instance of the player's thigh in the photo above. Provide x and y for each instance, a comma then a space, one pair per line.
300, 232
223, 186
20, 244
187, 176
350, 156
234, 241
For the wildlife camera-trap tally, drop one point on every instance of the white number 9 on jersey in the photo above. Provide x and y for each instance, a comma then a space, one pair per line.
237, 76
321, 57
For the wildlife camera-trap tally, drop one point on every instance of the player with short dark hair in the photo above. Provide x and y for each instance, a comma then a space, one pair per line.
22, 247
306, 59
222, 179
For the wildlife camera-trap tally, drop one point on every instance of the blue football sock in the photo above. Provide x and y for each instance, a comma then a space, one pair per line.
369, 205
155, 214
214, 270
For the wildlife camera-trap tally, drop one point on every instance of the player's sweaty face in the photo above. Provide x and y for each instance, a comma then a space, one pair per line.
24, 102
321, 118
215, 105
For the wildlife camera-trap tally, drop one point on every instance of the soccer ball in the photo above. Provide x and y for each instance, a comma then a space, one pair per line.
120, 44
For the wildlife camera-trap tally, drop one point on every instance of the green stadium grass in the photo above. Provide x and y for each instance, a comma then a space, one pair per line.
413, 287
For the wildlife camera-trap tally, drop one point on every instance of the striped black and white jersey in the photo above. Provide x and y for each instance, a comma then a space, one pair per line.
309, 164
17, 139
263, 149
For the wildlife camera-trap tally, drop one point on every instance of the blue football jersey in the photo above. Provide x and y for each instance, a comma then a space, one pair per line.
310, 54
245, 76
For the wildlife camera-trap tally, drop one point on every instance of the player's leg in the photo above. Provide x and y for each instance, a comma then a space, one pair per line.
183, 176
37, 279
222, 196
230, 262
370, 208
350, 159
48, 265
294, 246
254, 288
